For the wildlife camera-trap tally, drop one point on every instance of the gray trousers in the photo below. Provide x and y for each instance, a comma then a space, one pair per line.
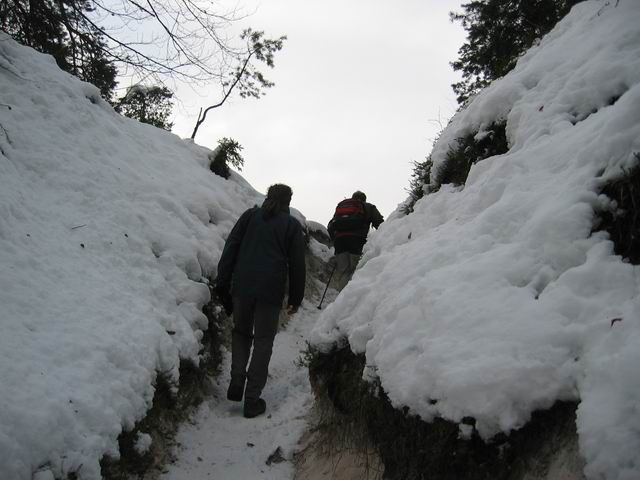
254, 323
346, 264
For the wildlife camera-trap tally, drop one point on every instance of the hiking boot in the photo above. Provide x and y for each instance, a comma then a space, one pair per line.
253, 408
235, 390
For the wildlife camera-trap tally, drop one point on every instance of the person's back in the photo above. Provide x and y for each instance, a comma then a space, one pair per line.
349, 229
264, 246
350, 236
264, 259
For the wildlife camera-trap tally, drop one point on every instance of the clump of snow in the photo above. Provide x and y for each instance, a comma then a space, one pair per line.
465, 431
495, 299
299, 216
317, 248
317, 227
109, 230
320, 250
143, 443
139, 88
43, 475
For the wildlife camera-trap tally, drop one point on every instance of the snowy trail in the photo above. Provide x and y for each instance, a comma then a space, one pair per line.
221, 443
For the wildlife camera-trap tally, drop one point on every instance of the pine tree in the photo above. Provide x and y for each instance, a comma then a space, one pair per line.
152, 105
418, 183
498, 32
227, 152
60, 29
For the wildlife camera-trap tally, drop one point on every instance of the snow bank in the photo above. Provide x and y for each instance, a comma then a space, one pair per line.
496, 299
108, 231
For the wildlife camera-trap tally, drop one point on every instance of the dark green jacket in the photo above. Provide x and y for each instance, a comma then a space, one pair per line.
258, 256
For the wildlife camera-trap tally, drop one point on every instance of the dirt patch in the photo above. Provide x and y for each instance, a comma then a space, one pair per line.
409, 448
320, 460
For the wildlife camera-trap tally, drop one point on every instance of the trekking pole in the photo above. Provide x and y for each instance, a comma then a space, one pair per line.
327, 287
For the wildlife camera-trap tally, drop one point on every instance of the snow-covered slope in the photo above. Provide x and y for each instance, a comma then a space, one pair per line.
108, 230
496, 299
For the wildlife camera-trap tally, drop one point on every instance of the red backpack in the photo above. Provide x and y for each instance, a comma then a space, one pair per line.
349, 216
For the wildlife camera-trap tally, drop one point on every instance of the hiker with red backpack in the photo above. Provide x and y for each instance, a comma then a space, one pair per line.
348, 229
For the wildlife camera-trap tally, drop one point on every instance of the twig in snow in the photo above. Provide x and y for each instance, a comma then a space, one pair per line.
4, 67
4, 130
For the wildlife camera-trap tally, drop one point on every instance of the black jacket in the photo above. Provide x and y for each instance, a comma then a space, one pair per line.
372, 217
258, 255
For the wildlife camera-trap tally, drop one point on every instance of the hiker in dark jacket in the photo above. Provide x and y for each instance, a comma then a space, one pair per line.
349, 229
353, 238
264, 246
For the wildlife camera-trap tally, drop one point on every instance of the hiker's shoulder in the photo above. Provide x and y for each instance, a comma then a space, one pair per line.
248, 213
294, 221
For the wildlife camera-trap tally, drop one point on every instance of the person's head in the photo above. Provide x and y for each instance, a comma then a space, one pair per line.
358, 195
278, 199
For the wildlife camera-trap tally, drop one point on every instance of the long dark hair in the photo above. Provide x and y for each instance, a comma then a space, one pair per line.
278, 200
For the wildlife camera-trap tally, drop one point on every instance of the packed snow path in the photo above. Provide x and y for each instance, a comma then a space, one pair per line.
221, 443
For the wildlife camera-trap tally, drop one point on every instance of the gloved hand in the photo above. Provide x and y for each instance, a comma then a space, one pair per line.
224, 295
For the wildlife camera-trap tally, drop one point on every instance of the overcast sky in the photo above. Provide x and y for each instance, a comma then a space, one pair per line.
360, 88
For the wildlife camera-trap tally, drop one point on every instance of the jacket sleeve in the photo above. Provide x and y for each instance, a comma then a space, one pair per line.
376, 217
230, 252
297, 269
331, 229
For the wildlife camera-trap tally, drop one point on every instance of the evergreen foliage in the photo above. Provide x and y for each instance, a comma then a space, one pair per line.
498, 32
150, 105
61, 29
469, 150
250, 81
622, 220
228, 152
418, 183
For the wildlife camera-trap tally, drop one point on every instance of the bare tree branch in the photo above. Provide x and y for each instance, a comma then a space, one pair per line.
224, 99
